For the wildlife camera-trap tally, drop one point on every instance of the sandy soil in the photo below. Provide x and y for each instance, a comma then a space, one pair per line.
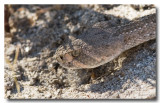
40, 29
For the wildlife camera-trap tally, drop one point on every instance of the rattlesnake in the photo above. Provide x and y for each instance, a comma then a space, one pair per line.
101, 43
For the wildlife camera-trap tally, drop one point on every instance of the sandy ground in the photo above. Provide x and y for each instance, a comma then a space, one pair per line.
40, 29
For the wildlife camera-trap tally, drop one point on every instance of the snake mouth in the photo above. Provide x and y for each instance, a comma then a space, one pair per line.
79, 65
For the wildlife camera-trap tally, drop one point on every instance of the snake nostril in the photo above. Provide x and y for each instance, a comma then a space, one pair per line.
61, 57
69, 64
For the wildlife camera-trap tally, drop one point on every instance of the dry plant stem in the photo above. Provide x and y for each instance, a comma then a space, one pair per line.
13, 67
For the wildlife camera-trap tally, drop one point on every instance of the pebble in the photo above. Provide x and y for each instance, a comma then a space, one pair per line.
10, 50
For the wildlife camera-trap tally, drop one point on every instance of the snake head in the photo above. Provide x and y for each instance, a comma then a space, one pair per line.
70, 55
75, 55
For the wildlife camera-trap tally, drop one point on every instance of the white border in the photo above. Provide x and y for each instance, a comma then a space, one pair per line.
155, 2
80, 1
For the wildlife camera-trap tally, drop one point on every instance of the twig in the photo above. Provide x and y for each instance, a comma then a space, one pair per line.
13, 68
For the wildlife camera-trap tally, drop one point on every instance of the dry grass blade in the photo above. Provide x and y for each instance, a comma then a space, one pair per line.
16, 56
41, 11
12, 67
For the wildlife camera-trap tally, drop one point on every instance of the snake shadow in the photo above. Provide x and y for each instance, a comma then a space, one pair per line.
138, 67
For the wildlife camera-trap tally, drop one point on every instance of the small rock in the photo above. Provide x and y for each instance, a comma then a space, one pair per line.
9, 85
48, 95
27, 49
8, 94
75, 28
65, 31
10, 50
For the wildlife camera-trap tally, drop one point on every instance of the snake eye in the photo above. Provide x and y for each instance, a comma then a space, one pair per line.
75, 53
